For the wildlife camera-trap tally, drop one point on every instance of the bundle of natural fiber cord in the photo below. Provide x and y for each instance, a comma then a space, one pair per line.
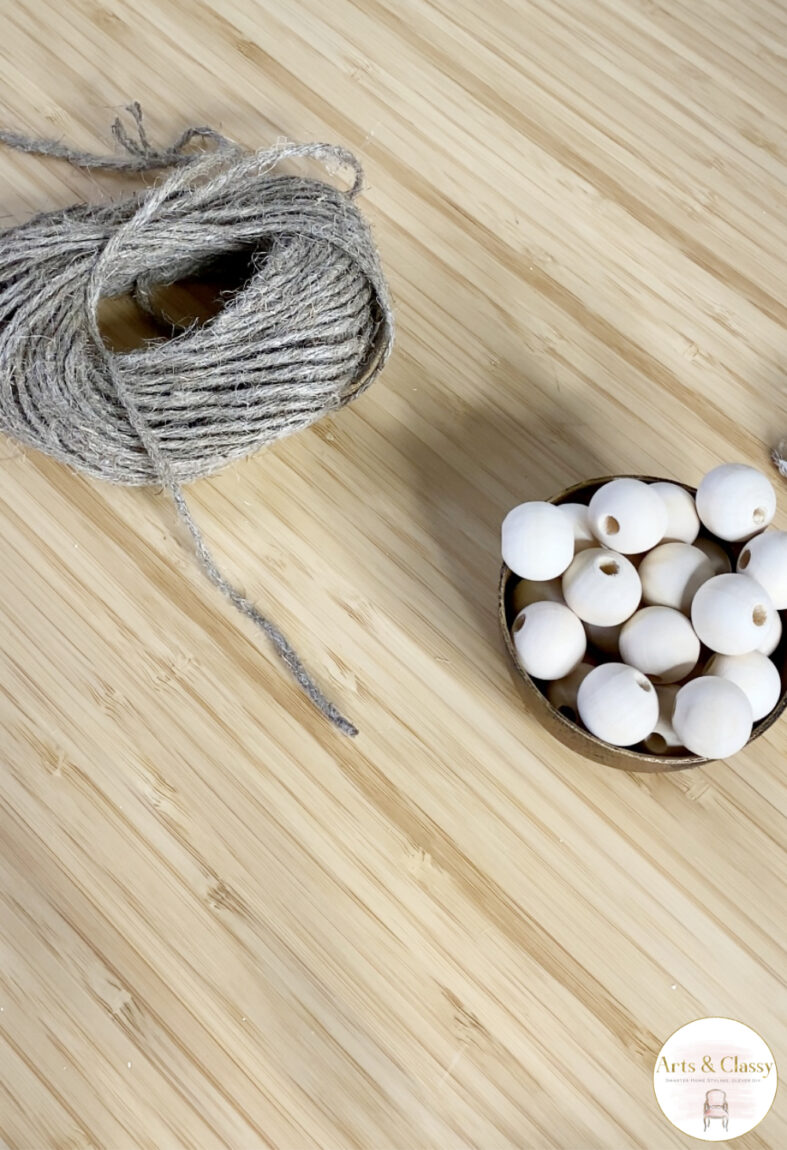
779, 456
306, 332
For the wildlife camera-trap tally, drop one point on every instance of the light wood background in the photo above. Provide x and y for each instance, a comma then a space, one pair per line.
221, 924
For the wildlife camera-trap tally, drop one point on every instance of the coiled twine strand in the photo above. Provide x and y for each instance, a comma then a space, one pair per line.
307, 332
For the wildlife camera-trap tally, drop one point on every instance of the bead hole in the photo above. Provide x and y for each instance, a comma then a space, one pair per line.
656, 743
611, 525
609, 567
759, 616
759, 516
643, 683
743, 562
519, 622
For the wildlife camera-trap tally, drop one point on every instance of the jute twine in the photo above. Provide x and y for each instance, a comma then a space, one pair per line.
307, 331
779, 457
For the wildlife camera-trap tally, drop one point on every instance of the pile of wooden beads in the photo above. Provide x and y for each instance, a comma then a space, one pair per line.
628, 613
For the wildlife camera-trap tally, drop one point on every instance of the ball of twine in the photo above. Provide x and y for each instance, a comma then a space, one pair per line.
307, 331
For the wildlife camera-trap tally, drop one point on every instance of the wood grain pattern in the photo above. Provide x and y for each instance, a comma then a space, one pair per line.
221, 924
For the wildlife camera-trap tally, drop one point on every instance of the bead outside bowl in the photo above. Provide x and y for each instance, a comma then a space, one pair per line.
571, 734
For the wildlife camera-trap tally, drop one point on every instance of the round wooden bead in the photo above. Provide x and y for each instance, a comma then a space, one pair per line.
663, 737
602, 587
672, 573
660, 642
764, 558
562, 693
719, 559
755, 674
618, 704
712, 717
578, 515
773, 635
683, 522
628, 516
604, 639
537, 541
528, 591
735, 501
730, 614
549, 639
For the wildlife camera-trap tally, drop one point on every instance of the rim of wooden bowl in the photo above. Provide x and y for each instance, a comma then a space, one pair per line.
564, 729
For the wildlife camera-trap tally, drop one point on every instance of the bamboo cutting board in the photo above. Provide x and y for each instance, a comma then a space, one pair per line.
222, 925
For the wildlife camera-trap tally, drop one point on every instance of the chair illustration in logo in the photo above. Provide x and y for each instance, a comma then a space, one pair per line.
715, 1107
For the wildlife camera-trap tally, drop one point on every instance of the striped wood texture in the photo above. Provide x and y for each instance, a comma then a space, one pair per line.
221, 925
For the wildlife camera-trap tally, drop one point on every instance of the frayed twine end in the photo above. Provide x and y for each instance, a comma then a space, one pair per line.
779, 457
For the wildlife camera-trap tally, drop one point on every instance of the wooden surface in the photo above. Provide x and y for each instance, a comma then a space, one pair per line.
221, 924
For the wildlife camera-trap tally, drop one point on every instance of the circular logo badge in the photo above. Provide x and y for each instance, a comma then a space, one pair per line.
715, 1079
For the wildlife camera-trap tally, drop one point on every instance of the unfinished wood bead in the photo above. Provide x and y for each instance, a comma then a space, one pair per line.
764, 558
735, 501
663, 738
628, 516
562, 693
660, 642
730, 614
537, 541
755, 674
528, 591
602, 587
683, 522
618, 704
672, 573
712, 717
549, 639
578, 515
773, 635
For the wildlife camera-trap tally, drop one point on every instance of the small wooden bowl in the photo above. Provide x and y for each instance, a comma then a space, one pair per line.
571, 734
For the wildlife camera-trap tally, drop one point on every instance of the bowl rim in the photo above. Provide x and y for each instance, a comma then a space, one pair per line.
638, 760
